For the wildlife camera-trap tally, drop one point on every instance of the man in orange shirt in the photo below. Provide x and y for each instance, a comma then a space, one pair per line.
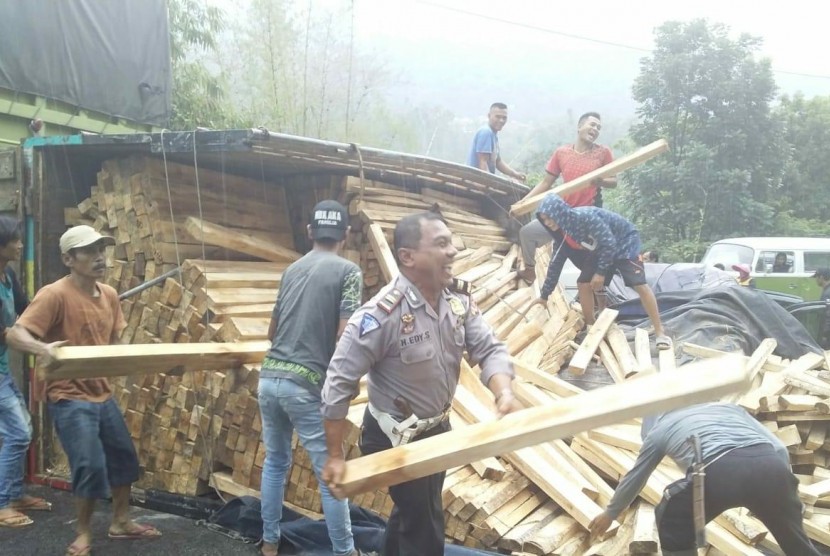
79, 310
570, 162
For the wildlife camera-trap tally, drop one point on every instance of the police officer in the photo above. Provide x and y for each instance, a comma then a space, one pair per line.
410, 339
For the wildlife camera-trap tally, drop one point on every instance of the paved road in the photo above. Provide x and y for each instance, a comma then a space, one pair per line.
53, 531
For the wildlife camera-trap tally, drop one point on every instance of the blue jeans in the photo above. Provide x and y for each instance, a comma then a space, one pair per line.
98, 446
15, 434
284, 406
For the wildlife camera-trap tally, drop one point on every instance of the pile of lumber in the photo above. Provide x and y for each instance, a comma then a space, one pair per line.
231, 238
200, 430
376, 207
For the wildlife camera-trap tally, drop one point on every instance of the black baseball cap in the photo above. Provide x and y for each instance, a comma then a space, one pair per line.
822, 273
329, 220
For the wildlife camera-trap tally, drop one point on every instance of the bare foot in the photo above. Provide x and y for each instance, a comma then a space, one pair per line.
269, 549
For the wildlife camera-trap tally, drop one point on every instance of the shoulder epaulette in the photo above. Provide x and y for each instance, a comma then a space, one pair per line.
461, 286
391, 300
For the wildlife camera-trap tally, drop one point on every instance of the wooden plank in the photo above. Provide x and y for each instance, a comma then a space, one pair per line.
549, 382
221, 236
789, 435
478, 256
526, 206
582, 358
756, 363
122, 360
609, 360
622, 350
642, 351
644, 540
667, 360
795, 402
383, 253
531, 426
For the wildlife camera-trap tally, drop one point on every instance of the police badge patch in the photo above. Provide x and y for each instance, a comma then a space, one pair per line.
408, 322
457, 307
367, 324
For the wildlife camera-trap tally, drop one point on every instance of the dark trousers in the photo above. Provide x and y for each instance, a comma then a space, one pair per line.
98, 445
754, 478
416, 525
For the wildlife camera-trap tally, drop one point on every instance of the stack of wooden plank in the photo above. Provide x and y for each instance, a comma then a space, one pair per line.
203, 428
376, 207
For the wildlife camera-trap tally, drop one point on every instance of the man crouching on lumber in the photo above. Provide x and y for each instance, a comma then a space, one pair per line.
78, 310
745, 465
612, 244
410, 338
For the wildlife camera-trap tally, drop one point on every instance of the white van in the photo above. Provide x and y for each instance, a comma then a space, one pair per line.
781, 264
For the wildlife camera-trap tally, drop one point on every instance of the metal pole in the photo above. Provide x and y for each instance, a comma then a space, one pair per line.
150, 283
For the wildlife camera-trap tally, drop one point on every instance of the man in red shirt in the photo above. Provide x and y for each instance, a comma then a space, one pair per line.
571, 162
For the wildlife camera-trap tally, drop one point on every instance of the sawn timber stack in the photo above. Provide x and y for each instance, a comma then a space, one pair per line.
203, 428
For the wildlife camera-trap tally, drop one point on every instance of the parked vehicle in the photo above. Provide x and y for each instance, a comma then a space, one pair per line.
781, 264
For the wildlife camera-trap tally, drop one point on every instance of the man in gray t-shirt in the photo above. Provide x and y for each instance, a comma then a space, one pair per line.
317, 296
745, 465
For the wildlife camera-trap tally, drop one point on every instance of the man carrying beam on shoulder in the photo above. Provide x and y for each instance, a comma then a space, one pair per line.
411, 338
744, 465
81, 311
570, 162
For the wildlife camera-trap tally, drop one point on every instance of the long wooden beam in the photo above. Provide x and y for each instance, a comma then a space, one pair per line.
386, 260
215, 234
710, 380
639, 156
122, 360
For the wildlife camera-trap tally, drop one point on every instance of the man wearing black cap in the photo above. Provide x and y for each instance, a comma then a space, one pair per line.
318, 294
822, 277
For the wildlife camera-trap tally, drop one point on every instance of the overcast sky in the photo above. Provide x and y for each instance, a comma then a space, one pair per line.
463, 61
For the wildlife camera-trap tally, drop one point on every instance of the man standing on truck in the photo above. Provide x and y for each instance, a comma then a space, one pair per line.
484, 152
570, 162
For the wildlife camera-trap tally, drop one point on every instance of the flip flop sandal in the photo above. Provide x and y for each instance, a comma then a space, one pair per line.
140, 532
15, 521
78, 550
662, 342
33, 505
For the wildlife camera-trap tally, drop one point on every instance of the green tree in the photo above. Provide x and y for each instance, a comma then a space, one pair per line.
199, 97
304, 74
804, 191
709, 96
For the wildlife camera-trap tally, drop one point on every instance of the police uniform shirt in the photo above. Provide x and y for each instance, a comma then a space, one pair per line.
410, 350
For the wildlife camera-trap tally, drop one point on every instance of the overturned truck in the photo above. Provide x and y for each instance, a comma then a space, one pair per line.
220, 214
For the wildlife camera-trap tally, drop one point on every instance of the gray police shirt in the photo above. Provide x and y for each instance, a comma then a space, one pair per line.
315, 293
410, 350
